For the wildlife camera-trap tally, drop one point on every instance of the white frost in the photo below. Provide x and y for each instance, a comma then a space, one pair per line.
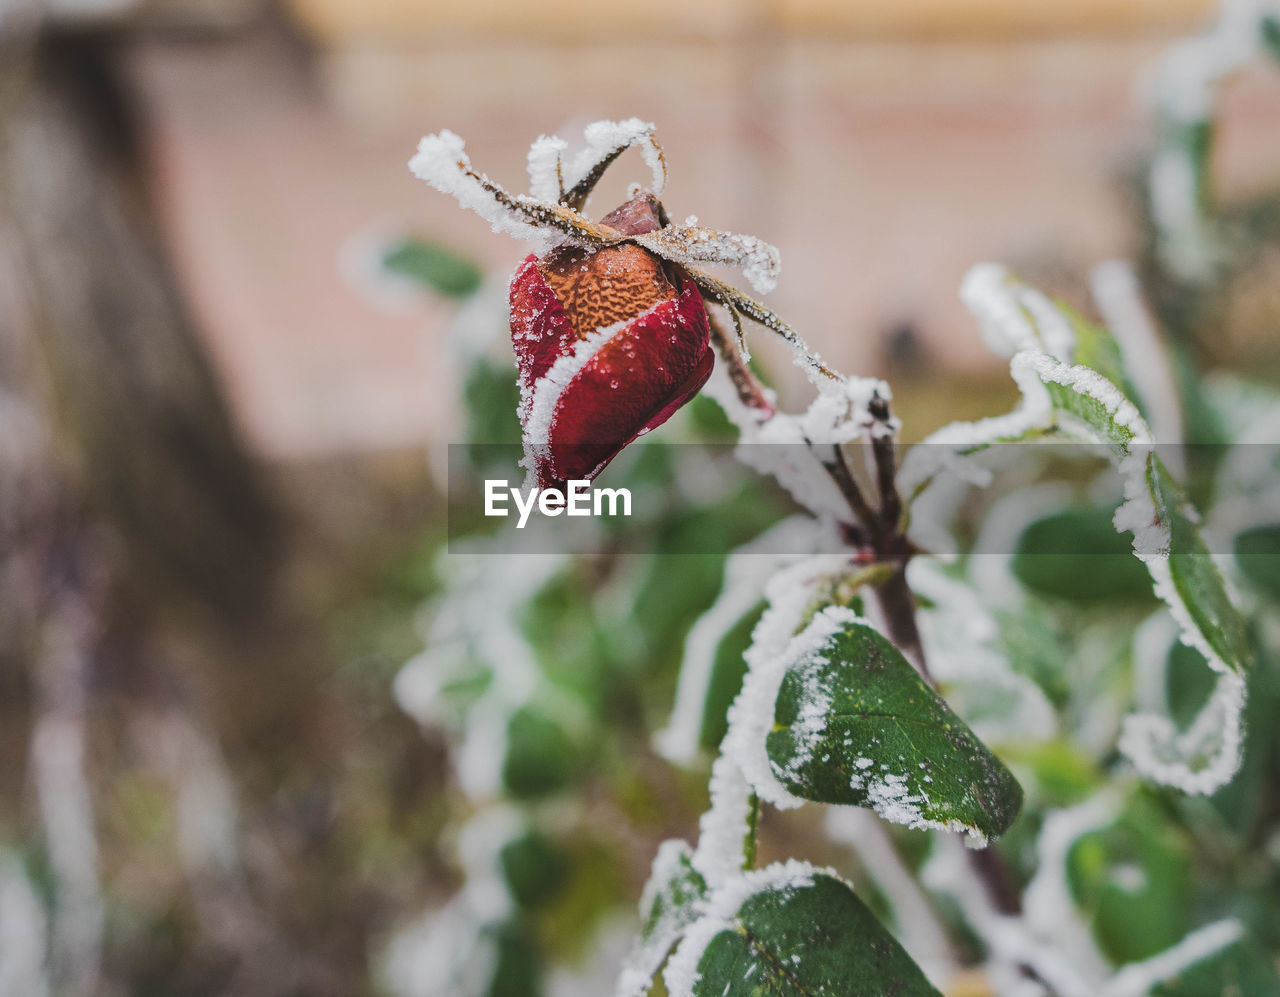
775, 647
723, 828
1049, 911
792, 448
603, 138
1014, 317
961, 642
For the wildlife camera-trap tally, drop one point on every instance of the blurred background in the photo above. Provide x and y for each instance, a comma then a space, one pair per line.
221, 403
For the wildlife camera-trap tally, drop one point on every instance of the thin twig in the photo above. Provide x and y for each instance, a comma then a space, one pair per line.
842, 472
884, 450
750, 391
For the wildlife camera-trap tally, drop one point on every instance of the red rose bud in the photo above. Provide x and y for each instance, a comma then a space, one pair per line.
609, 342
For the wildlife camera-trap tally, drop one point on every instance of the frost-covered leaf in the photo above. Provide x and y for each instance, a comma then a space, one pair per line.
854, 724
791, 930
1059, 397
1204, 756
790, 595
672, 901
1081, 394
714, 659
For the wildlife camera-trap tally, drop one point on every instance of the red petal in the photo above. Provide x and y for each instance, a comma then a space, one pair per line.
541, 331
635, 382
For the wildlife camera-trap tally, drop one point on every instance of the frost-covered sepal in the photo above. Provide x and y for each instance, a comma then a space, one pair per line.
855, 724
791, 929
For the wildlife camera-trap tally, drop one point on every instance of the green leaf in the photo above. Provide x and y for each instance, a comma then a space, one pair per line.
1195, 577
855, 724
809, 936
1035, 646
1133, 881
540, 757
490, 396
434, 267
1189, 683
1077, 555
1257, 552
535, 868
515, 966
1243, 801
726, 678
1271, 36
1063, 772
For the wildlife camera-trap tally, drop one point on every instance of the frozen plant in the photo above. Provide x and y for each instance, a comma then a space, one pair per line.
966, 699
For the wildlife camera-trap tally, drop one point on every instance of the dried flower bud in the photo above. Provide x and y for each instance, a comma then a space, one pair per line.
609, 342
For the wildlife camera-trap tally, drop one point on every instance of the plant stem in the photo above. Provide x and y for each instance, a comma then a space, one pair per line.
842, 475
878, 531
752, 836
898, 605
